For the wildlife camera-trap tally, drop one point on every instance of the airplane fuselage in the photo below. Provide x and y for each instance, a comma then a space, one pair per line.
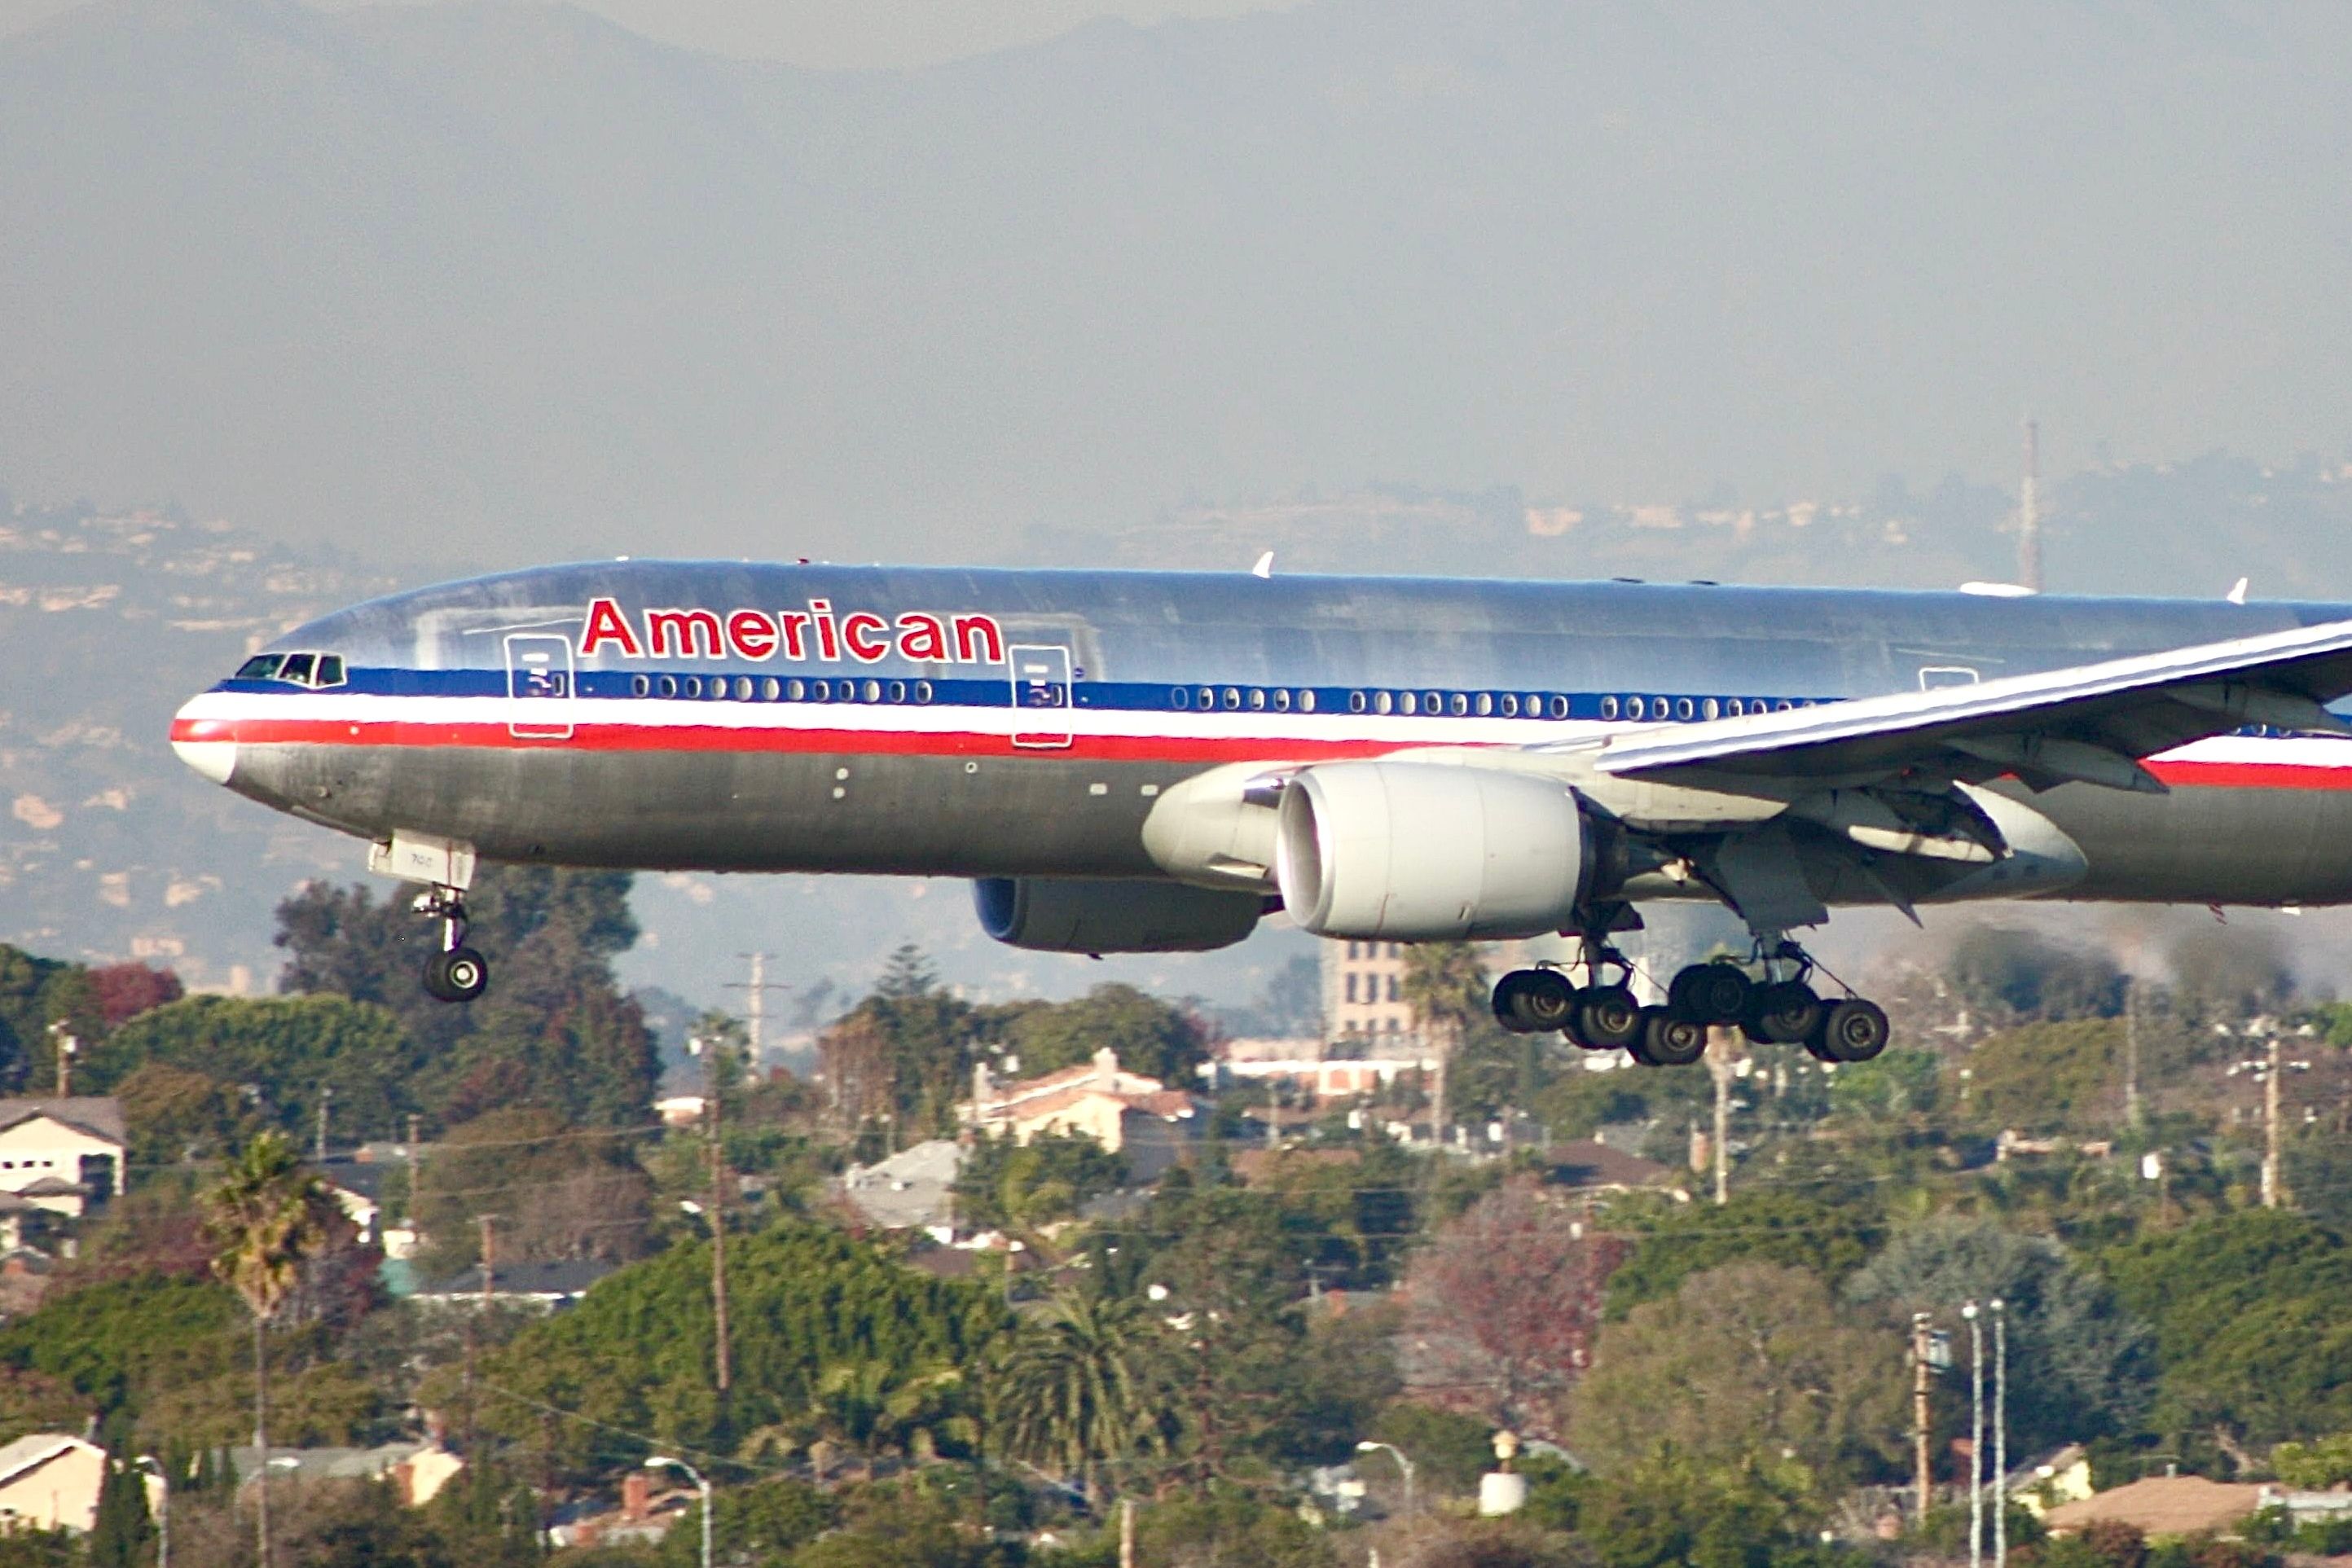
1025, 723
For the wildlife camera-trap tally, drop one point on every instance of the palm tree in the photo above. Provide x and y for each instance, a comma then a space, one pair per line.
1077, 1392
1445, 986
266, 1214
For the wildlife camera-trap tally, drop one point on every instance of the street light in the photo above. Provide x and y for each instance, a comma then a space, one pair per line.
701, 1484
2000, 1433
163, 1513
1976, 1436
1366, 1446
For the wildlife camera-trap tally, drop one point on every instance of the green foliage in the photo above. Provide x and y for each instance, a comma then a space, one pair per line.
1014, 1186
1225, 1525
906, 1523
1672, 1511
559, 1193
1805, 1386
2050, 1078
763, 1521
2079, 1360
1082, 1391
1449, 1451
124, 1529
1148, 1035
2315, 1466
289, 1048
34, 992
1673, 1242
118, 1343
1576, 1104
831, 1340
1895, 1084
2248, 1320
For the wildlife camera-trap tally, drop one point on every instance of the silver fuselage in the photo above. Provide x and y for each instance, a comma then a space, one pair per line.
1023, 723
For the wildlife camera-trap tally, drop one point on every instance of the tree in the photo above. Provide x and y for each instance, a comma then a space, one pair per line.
1445, 986
2009, 974
122, 1531
1080, 1393
558, 1193
283, 1052
268, 1215
2051, 1077
2080, 1367
1507, 1299
1749, 1362
1022, 1187
1149, 1036
1675, 1512
1670, 1245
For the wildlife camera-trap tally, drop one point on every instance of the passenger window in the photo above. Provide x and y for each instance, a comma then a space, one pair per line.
639, 685
898, 690
770, 688
873, 691
1208, 699
1357, 702
1382, 702
1635, 707
670, 685
1784, 704
1307, 701
1510, 704
1232, 696
297, 668
1459, 706
1733, 707
1258, 698
821, 691
1486, 704
742, 688
794, 691
1431, 703
1410, 702
1608, 707
922, 691
1281, 700
1559, 707
1684, 708
1180, 697
260, 667
1712, 708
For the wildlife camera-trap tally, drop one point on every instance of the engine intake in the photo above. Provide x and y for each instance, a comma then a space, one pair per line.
1054, 915
1421, 851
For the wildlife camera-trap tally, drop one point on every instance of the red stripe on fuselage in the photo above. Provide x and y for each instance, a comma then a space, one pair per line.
833, 741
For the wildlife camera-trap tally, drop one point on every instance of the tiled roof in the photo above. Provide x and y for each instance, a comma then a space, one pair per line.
2163, 1505
101, 1116
1583, 1162
33, 1450
568, 1277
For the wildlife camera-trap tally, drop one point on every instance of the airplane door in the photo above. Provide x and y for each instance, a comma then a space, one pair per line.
1041, 696
539, 684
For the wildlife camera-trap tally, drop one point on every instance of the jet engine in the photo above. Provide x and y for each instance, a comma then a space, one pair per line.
1417, 852
1055, 914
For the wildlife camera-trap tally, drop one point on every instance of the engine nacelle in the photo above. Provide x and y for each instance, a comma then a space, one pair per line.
1054, 915
1421, 851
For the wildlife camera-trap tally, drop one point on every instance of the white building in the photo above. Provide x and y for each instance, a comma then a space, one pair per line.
50, 1481
59, 1154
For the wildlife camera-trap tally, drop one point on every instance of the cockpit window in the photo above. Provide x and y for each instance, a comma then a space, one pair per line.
297, 668
260, 667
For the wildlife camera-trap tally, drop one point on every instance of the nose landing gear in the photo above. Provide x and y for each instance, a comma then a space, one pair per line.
456, 973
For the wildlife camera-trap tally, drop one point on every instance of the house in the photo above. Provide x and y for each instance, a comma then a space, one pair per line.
1153, 1125
914, 1189
1587, 1165
2061, 1477
419, 1470
549, 1287
2162, 1505
63, 1155
50, 1481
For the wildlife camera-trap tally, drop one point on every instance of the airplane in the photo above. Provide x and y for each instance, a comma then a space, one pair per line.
1136, 762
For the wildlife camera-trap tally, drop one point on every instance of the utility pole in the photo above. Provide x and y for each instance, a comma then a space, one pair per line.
755, 1004
1719, 1046
1976, 1436
489, 1254
2271, 1194
1127, 1532
2132, 1114
67, 1048
319, 1146
2028, 512
2000, 1433
722, 1361
1923, 1474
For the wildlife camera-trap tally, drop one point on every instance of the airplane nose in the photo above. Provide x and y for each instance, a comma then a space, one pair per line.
207, 745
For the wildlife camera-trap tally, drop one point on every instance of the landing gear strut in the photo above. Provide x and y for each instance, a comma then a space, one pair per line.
1773, 1005
456, 973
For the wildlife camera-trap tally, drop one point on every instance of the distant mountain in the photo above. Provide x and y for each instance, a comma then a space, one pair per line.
508, 275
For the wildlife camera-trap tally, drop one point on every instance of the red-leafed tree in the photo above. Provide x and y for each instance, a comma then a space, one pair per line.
123, 991
1505, 1304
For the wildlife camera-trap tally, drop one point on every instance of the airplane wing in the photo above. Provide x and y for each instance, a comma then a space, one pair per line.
2089, 723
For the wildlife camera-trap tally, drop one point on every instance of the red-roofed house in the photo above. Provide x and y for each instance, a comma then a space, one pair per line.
1153, 1125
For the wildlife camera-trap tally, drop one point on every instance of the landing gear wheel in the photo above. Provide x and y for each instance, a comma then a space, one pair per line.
1851, 1030
457, 975
1710, 994
1608, 1018
1785, 1012
1668, 1040
1534, 1001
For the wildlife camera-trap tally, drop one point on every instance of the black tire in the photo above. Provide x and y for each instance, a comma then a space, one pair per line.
459, 976
1607, 1018
1710, 994
1853, 1031
1506, 999
1670, 1041
1785, 1012
1545, 1003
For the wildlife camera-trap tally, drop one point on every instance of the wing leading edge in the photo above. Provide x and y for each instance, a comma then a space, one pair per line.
2089, 723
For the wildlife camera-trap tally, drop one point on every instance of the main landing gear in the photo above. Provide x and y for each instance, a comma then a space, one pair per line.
456, 973
1774, 1005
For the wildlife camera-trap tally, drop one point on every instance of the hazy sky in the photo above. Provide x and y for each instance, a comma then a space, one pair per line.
829, 33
